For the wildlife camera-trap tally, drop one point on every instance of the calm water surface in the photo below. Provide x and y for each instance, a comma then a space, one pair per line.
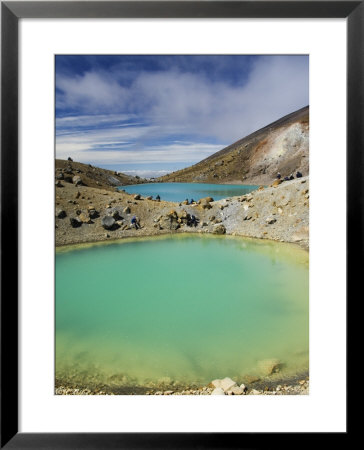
184, 308
178, 192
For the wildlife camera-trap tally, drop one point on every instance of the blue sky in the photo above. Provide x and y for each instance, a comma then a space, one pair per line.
149, 115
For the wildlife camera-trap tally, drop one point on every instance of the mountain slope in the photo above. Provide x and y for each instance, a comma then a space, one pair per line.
93, 176
282, 146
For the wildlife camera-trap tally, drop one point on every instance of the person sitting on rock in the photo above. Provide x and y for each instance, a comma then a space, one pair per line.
135, 222
158, 198
298, 175
279, 176
291, 177
186, 201
286, 178
192, 201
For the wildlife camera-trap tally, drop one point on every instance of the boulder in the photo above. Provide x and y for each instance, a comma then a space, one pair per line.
218, 391
93, 214
61, 213
84, 218
276, 183
126, 210
76, 180
219, 229
137, 197
236, 390
59, 184
270, 220
183, 215
150, 197
115, 213
254, 392
75, 222
227, 384
60, 176
173, 214
108, 222
205, 202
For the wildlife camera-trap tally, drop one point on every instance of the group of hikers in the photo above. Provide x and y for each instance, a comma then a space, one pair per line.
192, 221
291, 177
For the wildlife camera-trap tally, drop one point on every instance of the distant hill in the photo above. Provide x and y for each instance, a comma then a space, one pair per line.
93, 176
282, 146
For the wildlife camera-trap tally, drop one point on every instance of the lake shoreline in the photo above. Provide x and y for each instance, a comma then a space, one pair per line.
277, 213
293, 385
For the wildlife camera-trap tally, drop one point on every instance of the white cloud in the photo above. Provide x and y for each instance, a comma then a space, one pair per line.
85, 121
87, 147
175, 103
93, 91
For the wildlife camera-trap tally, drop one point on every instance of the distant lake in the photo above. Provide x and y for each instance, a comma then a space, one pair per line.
178, 192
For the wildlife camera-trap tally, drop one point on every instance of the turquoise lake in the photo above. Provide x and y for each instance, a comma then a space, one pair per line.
178, 192
186, 309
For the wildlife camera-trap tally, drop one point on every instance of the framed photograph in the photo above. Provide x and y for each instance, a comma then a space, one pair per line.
175, 264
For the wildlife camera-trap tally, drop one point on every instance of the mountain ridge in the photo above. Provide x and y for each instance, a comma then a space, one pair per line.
281, 146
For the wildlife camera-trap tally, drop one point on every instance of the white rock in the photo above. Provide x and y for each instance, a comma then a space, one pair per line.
218, 391
227, 384
254, 392
236, 390
216, 383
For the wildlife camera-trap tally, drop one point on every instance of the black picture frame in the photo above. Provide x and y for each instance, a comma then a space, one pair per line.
11, 12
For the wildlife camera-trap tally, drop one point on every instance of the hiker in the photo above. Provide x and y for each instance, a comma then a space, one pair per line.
279, 176
192, 201
186, 201
286, 179
298, 175
291, 177
158, 198
135, 222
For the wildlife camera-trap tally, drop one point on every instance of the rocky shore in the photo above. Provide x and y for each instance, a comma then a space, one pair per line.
83, 214
226, 386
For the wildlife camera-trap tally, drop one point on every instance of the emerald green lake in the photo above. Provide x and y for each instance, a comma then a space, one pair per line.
184, 309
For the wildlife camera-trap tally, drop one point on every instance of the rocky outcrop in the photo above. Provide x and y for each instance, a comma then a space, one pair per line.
279, 212
88, 175
108, 222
